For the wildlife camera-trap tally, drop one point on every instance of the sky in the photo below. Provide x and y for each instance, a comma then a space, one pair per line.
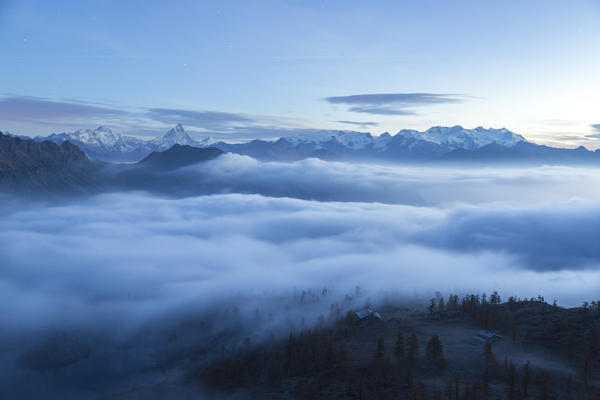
268, 68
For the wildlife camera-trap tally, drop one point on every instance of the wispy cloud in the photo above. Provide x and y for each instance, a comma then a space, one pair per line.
393, 103
200, 119
44, 115
596, 130
388, 110
359, 123
20, 108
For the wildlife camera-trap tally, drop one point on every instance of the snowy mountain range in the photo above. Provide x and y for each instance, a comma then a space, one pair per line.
451, 137
435, 144
406, 145
104, 144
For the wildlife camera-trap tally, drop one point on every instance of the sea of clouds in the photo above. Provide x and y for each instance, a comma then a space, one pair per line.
122, 263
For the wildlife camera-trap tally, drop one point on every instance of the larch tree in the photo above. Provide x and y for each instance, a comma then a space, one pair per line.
412, 346
399, 347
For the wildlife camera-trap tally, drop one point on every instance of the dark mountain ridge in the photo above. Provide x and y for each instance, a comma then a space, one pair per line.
523, 153
31, 166
402, 149
179, 156
27, 165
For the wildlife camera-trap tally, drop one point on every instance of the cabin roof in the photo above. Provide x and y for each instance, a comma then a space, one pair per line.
485, 336
367, 312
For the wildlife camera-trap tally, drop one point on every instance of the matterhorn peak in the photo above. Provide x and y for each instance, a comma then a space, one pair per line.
176, 131
103, 128
176, 135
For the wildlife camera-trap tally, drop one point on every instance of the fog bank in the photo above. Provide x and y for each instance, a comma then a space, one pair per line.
126, 270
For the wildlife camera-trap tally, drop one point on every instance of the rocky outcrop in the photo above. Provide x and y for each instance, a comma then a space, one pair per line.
27, 165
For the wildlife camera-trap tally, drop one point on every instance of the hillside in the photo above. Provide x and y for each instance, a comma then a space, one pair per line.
27, 165
178, 156
541, 351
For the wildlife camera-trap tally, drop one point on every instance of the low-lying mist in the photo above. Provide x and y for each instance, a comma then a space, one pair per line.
314, 179
126, 267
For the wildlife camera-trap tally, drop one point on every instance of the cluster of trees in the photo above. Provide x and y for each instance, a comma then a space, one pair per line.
573, 333
329, 362
316, 364
318, 367
312, 358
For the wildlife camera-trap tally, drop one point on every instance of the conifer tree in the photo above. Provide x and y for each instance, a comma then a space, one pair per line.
486, 380
412, 346
435, 352
441, 306
488, 354
526, 375
570, 343
513, 382
569, 395
432, 305
409, 376
380, 350
342, 359
434, 349
544, 379
457, 388
399, 347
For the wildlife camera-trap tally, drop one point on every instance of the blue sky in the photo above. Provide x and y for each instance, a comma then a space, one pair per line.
255, 68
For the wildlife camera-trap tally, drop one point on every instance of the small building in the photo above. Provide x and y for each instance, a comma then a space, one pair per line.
366, 313
487, 336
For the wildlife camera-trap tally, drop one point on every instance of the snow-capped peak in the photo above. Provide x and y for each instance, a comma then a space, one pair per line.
351, 139
454, 137
458, 137
177, 135
99, 137
407, 143
207, 141
380, 142
103, 129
